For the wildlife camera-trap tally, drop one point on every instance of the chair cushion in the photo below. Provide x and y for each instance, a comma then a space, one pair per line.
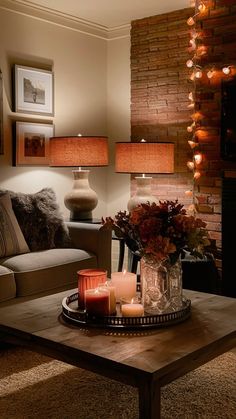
40, 219
7, 284
12, 241
49, 269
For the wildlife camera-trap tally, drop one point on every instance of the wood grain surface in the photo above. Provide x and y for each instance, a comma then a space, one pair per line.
145, 359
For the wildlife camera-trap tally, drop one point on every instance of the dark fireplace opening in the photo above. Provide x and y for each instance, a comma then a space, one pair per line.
228, 287
228, 119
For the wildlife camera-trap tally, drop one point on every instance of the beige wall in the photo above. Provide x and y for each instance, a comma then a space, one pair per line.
118, 117
118, 111
79, 63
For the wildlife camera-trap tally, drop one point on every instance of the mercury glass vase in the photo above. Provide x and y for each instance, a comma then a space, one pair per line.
161, 285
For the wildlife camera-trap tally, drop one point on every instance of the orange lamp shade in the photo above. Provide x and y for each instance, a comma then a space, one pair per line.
78, 151
144, 157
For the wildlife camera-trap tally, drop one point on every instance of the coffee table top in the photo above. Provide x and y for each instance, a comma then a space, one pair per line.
162, 353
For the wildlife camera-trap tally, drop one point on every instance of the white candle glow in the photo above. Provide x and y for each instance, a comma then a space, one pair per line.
132, 309
125, 284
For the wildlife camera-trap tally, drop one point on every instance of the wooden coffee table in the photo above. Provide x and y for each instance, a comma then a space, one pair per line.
144, 359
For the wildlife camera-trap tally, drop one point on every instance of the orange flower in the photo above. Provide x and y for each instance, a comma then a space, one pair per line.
162, 231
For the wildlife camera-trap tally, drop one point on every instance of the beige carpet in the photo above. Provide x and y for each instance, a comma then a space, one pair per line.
34, 386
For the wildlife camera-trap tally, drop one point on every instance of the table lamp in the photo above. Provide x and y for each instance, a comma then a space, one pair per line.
76, 152
146, 158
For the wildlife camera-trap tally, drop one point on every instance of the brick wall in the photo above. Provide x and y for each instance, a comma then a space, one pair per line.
159, 94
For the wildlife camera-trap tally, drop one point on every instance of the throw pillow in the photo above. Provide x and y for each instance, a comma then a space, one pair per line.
40, 219
12, 241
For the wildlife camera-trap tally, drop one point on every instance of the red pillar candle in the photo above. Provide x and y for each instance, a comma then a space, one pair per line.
97, 302
89, 279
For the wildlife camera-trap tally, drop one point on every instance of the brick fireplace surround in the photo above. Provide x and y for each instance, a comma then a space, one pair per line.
160, 86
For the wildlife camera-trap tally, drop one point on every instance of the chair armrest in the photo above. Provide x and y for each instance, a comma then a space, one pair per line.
92, 238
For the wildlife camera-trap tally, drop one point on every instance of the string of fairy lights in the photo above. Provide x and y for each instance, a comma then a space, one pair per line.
196, 72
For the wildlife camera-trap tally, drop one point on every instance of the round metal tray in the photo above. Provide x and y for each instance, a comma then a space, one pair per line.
72, 313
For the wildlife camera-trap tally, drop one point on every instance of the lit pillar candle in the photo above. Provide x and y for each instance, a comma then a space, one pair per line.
132, 308
109, 285
97, 302
125, 284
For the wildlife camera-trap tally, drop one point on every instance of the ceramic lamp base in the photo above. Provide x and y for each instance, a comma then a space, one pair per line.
143, 194
82, 199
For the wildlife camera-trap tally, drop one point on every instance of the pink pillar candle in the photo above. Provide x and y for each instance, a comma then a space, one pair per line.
89, 279
125, 284
97, 302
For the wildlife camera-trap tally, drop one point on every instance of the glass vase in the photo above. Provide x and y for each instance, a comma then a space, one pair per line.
161, 285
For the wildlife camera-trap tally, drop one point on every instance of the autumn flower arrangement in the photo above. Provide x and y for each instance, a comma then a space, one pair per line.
161, 231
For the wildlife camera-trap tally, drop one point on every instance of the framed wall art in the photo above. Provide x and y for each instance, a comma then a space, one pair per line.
1, 114
32, 144
33, 90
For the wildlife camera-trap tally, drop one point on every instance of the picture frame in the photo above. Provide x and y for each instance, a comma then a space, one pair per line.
1, 115
31, 146
34, 90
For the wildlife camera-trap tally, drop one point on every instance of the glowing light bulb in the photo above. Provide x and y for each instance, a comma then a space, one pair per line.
190, 21
190, 165
192, 143
198, 74
210, 74
191, 127
226, 70
189, 63
193, 45
198, 158
188, 193
192, 77
201, 7
190, 96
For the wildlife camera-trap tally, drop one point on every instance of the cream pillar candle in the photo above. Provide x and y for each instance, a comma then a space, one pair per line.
125, 284
132, 310
111, 288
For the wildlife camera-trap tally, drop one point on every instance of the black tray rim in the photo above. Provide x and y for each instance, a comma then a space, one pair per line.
147, 321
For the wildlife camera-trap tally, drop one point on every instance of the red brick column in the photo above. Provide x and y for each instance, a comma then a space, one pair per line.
159, 95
